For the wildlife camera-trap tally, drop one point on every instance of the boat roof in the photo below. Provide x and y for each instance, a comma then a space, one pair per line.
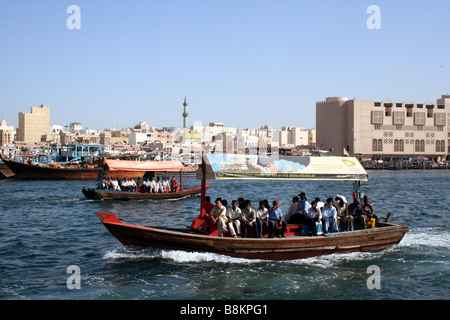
240, 166
127, 165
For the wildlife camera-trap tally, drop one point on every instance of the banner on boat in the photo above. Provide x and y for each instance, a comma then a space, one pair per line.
238, 166
125, 165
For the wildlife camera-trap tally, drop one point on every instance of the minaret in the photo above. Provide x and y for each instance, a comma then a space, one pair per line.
185, 114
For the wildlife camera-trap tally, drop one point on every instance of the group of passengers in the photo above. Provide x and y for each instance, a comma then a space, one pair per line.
332, 214
147, 185
236, 217
241, 214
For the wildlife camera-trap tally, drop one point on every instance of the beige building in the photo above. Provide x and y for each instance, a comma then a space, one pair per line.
6, 133
384, 130
33, 126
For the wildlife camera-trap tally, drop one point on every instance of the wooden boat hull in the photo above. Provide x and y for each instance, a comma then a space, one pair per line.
289, 248
30, 171
122, 195
5, 172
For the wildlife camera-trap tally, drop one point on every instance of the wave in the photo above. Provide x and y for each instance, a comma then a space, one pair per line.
173, 255
427, 237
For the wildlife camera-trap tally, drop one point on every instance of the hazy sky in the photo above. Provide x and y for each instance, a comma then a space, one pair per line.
244, 63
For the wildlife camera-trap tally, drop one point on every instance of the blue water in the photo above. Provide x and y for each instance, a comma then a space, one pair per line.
47, 226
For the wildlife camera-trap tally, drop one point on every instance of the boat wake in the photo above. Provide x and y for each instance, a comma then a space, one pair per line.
437, 237
173, 255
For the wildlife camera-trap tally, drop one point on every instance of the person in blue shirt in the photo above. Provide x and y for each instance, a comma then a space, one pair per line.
329, 214
276, 216
302, 209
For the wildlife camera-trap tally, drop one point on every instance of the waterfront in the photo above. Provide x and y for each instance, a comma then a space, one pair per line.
47, 226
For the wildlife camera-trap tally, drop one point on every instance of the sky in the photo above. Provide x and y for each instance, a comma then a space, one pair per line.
244, 63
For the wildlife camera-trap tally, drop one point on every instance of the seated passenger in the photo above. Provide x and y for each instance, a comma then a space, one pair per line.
208, 205
241, 203
302, 209
116, 186
319, 203
218, 217
314, 215
102, 184
290, 216
152, 186
174, 185
166, 185
342, 211
132, 185
329, 215
276, 216
262, 218
139, 185
355, 210
234, 215
158, 187
124, 184
109, 184
367, 210
248, 218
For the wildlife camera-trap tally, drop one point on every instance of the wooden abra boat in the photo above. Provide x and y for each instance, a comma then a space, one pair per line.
138, 168
293, 246
24, 170
201, 236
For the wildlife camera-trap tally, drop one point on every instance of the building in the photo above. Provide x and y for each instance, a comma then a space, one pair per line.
384, 130
6, 133
33, 126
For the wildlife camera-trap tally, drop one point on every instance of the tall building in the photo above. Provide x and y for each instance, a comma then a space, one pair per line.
384, 130
34, 125
185, 114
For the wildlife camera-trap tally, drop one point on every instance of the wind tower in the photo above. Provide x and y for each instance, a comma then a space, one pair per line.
185, 114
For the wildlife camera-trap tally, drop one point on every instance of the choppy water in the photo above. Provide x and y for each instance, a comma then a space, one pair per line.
47, 226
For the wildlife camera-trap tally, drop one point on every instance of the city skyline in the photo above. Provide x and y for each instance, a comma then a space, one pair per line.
242, 63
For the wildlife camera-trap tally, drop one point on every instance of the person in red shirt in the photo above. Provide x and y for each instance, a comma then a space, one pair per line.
174, 185
208, 205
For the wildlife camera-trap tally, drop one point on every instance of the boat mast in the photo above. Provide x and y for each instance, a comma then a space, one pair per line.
203, 187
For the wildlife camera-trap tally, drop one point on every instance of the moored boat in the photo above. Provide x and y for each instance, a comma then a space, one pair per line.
202, 235
24, 170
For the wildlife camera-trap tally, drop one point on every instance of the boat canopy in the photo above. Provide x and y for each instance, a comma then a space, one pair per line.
126, 165
240, 166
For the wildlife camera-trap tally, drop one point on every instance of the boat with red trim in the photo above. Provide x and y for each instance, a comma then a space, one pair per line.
202, 235
131, 169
